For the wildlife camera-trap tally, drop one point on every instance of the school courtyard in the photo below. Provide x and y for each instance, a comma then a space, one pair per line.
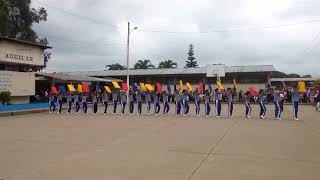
50, 146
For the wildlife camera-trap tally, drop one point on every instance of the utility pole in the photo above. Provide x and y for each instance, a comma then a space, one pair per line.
128, 45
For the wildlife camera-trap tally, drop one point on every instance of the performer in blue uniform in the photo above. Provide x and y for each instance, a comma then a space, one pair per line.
261, 98
166, 106
177, 99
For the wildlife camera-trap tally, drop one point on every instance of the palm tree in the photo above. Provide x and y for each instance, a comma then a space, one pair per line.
168, 64
115, 66
143, 64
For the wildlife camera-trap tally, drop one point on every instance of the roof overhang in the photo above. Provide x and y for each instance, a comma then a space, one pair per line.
79, 78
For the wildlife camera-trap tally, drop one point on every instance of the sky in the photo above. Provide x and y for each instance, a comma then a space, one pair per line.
89, 34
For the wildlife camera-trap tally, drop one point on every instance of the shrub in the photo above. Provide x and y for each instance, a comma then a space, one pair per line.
5, 97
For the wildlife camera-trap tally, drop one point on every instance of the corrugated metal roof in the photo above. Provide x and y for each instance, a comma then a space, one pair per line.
164, 71
68, 77
25, 42
291, 79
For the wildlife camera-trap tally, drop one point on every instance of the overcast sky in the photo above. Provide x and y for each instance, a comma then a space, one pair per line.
88, 34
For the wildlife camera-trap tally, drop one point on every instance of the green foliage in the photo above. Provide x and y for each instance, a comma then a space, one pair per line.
17, 19
143, 64
115, 66
5, 97
191, 62
168, 64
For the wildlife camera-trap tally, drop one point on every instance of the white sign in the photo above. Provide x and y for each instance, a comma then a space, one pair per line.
215, 71
18, 83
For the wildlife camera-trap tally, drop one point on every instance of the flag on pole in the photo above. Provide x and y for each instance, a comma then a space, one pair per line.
124, 86
85, 87
200, 87
181, 85
159, 88
79, 88
149, 87
142, 87
234, 84
54, 90
116, 84
62, 89
135, 87
219, 84
71, 88
189, 86
252, 91
301, 86
107, 89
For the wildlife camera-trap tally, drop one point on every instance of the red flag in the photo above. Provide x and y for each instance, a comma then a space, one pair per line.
200, 88
159, 87
54, 90
85, 87
252, 91
124, 86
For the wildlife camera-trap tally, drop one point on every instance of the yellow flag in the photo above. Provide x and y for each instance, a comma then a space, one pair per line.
79, 88
142, 87
181, 84
71, 88
234, 84
107, 89
149, 87
189, 86
116, 84
219, 85
301, 86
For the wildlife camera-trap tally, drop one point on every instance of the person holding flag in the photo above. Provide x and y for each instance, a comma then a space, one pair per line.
207, 103
185, 102
115, 101
52, 105
156, 103
148, 101
247, 97
317, 100
76, 101
94, 102
84, 103
131, 101
69, 102
262, 98
230, 102
166, 106
295, 102
59, 101
277, 103
105, 101
177, 99
217, 100
197, 101
139, 102
123, 98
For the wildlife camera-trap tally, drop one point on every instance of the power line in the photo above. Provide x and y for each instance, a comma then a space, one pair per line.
75, 14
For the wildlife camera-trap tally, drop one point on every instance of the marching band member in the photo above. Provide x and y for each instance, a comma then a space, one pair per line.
185, 102
217, 100
105, 101
52, 105
166, 106
207, 103
148, 101
59, 100
230, 102
197, 102
139, 102
84, 103
69, 102
94, 102
123, 98
177, 99
295, 103
76, 101
156, 103
261, 98
277, 103
131, 101
317, 100
247, 98
115, 101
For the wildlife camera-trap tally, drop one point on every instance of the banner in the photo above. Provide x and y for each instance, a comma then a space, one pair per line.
200, 87
181, 85
301, 86
85, 87
62, 89
149, 87
219, 84
107, 89
116, 84
159, 88
124, 86
71, 88
79, 88
189, 86
252, 91
234, 84
135, 87
142, 87
54, 90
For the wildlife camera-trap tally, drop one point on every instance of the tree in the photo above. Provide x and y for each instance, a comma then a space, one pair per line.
168, 64
115, 66
191, 62
307, 76
17, 19
5, 97
293, 75
143, 64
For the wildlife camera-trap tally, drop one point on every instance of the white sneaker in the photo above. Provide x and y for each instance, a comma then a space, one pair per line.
184, 115
278, 119
207, 116
263, 117
218, 117
113, 113
297, 119
104, 113
68, 113
156, 114
198, 115
248, 117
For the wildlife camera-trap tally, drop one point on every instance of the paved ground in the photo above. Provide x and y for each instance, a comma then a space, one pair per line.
82, 147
